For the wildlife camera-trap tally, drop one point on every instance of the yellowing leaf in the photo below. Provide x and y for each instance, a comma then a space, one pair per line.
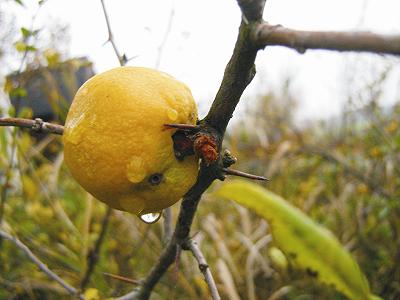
92, 294
278, 258
20, 46
307, 244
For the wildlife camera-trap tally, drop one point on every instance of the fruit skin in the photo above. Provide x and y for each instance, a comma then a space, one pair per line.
114, 139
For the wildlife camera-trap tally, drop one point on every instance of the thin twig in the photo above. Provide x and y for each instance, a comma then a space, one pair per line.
203, 266
122, 278
168, 227
362, 41
37, 125
160, 48
121, 58
252, 10
71, 290
93, 255
243, 174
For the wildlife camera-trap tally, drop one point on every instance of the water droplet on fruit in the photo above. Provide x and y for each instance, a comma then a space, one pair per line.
73, 132
75, 136
151, 217
172, 114
135, 171
83, 91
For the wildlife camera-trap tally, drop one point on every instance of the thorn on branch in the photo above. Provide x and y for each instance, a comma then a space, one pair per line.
238, 73
122, 278
243, 174
121, 58
191, 139
189, 127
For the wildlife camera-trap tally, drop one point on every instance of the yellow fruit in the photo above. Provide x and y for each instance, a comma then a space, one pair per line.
116, 146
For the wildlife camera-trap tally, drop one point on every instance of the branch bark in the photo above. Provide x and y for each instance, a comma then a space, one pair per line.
37, 125
181, 233
203, 266
239, 72
300, 40
122, 59
252, 10
168, 225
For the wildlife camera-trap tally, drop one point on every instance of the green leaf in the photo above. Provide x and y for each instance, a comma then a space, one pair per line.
26, 32
19, 2
31, 48
307, 245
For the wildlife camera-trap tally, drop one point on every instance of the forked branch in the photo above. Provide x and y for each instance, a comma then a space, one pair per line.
122, 59
204, 268
238, 74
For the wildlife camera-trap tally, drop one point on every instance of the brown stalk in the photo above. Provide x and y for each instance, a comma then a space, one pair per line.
300, 40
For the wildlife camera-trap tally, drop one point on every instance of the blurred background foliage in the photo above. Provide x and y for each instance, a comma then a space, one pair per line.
343, 172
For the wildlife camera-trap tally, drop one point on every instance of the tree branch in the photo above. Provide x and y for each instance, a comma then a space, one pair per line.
181, 233
203, 266
362, 41
167, 225
160, 47
252, 10
122, 59
37, 125
71, 290
238, 74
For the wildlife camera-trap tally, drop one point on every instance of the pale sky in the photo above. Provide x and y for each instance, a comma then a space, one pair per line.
202, 37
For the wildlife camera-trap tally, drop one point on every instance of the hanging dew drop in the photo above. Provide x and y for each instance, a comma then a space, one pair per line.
151, 217
172, 114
